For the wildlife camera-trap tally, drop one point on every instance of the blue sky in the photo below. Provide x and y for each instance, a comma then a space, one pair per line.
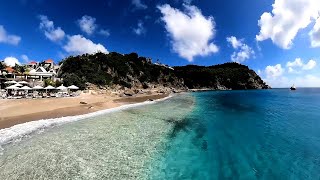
280, 39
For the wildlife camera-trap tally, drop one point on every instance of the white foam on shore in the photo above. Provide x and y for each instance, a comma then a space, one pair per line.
19, 131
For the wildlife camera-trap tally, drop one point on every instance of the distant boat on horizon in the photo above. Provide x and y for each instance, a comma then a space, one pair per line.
293, 87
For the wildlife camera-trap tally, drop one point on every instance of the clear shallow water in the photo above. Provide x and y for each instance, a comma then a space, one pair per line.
272, 134
116, 145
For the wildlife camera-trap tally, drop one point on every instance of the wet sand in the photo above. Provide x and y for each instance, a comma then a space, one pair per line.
14, 112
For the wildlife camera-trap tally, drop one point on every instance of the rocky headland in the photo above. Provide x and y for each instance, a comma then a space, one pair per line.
128, 75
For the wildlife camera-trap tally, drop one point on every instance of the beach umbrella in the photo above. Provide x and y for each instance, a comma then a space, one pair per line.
73, 87
13, 87
37, 87
18, 85
62, 88
23, 82
11, 82
25, 88
49, 88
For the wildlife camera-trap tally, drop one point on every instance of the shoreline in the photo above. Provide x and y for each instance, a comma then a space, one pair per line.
20, 130
15, 115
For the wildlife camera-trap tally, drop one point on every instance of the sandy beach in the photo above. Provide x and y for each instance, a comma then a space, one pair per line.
19, 111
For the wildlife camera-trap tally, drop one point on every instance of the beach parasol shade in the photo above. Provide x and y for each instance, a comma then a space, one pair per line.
25, 88
11, 82
37, 87
73, 87
13, 87
18, 85
62, 87
23, 82
49, 87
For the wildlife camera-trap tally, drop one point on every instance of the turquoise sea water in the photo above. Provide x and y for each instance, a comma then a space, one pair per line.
267, 134
258, 134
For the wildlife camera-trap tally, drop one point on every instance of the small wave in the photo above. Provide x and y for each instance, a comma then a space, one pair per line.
19, 131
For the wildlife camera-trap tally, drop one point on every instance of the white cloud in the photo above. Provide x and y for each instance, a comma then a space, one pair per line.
276, 76
243, 51
273, 76
191, 32
139, 30
259, 72
307, 80
87, 24
234, 42
291, 70
297, 65
52, 33
279, 82
315, 34
55, 35
273, 72
286, 19
25, 58
77, 44
11, 61
8, 38
310, 65
139, 5
104, 32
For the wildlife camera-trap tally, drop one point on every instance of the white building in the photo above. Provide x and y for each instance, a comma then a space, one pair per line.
41, 73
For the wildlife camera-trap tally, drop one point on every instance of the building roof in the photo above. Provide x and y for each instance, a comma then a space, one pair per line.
33, 62
9, 69
40, 71
49, 61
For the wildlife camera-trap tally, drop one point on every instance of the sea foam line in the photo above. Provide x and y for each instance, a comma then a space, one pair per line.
18, 131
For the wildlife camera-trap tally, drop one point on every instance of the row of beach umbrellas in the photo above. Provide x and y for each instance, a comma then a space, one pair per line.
19, 86
15, 82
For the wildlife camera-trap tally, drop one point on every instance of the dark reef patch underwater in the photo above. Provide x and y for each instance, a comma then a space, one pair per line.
258, 134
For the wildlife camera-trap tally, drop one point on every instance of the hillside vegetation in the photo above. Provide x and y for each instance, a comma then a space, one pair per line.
127, 71
130, 71
223, 76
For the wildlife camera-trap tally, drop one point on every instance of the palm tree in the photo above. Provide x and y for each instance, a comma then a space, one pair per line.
20, 69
